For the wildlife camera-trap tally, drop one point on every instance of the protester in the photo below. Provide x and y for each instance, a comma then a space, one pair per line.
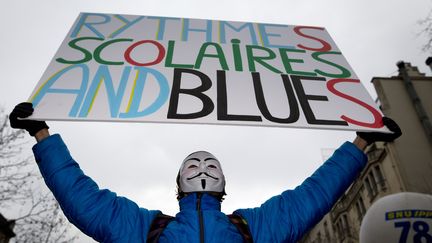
107, 217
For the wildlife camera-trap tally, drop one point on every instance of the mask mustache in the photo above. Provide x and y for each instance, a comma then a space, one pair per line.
205, 173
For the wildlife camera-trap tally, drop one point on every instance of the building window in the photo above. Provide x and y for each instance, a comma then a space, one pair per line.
368, 187
342, 226
339, 230
359, 212
346, 225
319, 239
326, 232
361, 209
379, 176
374, 183
371, 185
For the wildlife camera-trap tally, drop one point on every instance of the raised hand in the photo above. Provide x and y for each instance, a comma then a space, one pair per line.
24, 110
371, 137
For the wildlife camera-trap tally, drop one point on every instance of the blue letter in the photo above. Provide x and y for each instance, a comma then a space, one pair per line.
161, 26
186, 30
124, 27
139, 84
265, 35
114, 99
46, 88
222, 25
82, 22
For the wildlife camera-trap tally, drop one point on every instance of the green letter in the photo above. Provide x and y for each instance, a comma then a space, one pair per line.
286, 62
238, 63
345, 72
98, 50
169, 57
252, 58
87, 54
219, 54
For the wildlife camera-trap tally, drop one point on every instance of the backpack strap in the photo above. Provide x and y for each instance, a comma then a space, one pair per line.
242, 227
160, 222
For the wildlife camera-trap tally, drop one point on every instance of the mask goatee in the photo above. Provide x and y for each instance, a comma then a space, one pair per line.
203, 183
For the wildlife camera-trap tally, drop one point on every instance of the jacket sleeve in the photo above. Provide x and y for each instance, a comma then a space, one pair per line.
286, 217
100, 214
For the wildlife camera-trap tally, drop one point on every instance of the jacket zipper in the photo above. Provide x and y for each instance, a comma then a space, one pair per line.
200, 218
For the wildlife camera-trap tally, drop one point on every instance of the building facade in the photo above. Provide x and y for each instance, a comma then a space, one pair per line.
404, 165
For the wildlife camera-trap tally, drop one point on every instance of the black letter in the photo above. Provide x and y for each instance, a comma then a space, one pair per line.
222, 103
208, 105
304, 98
259, 94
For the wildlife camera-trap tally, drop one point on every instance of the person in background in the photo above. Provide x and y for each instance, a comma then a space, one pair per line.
106, 217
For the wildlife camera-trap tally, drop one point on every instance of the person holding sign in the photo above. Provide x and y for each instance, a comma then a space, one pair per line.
107, 217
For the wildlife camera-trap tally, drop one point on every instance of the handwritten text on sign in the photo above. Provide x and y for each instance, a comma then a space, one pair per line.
160, 69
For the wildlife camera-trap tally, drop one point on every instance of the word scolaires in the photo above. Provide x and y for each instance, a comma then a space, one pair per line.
160, 69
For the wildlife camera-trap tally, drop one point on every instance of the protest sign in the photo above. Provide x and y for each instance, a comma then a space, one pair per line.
113, 67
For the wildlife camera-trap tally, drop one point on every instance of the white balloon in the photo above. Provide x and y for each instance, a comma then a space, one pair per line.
400, 218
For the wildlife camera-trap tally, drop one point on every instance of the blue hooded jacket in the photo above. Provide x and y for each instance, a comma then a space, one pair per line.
107, 217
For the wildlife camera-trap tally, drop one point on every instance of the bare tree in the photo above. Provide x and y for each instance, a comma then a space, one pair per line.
426, 30
37, 215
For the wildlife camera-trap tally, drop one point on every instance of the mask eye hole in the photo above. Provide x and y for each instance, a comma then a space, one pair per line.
212, 166
192, 166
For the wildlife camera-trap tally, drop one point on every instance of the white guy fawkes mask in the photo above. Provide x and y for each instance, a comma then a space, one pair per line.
201, 172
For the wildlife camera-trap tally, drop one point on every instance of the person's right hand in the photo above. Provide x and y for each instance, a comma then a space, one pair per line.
24, 110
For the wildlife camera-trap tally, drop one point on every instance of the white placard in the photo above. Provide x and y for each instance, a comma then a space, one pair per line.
113, 67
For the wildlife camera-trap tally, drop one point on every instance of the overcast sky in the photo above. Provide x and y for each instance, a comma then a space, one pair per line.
140, 160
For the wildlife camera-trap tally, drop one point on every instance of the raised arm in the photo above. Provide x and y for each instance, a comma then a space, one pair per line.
100, 214
286, 217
